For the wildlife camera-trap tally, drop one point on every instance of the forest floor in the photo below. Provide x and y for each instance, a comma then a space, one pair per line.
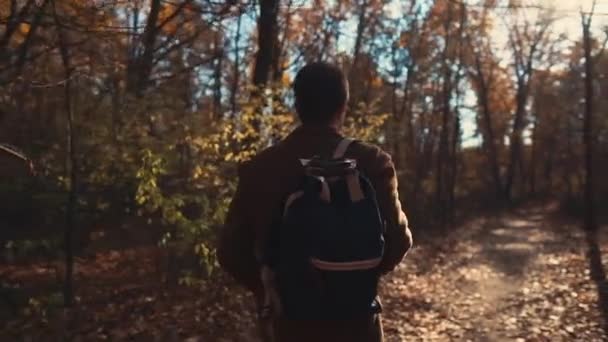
524, 275
521, 275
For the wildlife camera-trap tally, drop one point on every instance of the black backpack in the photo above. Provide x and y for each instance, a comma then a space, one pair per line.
321, 258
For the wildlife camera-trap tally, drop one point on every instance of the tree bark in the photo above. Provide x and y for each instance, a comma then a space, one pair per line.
588, 137
533, 160
443, 155
483, 81
362, 25
217, 76
569, 158
456, 133
279, 57
236, 77
524, 69
141, 67
71, 165
490, 140
515, 141
395, 128
267, 41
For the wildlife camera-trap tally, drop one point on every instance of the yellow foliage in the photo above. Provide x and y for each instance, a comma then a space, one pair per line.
24, 28
201, 157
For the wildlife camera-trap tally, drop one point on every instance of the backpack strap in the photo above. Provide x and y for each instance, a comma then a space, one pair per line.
352, 180
342, 147
355, 190
338, 152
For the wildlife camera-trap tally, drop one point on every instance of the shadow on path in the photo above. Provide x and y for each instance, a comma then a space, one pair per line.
598, 275
506, 244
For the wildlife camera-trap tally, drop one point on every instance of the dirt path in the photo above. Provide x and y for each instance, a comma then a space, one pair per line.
514, 277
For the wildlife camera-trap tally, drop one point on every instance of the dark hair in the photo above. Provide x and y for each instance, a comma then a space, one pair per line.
321, 92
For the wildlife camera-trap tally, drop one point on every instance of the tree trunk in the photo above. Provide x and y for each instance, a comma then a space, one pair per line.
362, 25
548, 172
443, 155
484, 81
141, 67
533, 160
515, 143
590, 222
71, 165
405, 135
569, 158
456, 133
524, 70
236, 79
490, 143
133, 34
279, 56
217, 76
394, 129
267, 38
454, 168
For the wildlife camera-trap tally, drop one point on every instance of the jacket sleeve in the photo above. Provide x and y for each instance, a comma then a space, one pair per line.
398, 237
235, 250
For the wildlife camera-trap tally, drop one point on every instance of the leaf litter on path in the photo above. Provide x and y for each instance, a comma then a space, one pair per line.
506, 278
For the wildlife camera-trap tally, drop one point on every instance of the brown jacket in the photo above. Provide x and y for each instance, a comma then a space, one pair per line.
266, 180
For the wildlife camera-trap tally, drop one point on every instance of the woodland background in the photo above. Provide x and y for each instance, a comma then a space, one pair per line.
122, 123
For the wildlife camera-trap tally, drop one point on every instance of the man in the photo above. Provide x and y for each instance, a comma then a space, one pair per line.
321, 94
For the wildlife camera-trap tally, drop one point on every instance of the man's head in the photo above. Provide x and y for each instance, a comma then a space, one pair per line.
321, 92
